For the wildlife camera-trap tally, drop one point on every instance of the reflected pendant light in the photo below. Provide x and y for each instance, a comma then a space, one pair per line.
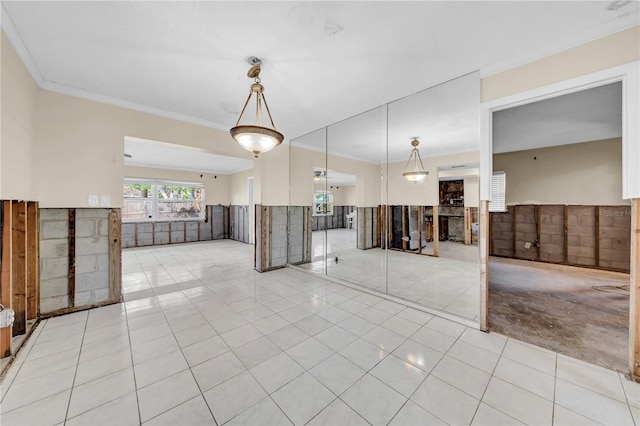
414, 170
256, 137
319, 175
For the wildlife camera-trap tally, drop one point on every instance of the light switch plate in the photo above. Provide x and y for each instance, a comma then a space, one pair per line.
92, 200
105, 201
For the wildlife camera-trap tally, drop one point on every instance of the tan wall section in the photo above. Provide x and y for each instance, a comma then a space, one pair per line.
301, 175
348, 195
81, 146
617, 49
238, 190
471, 192
272, 171
588, 173
18, 142
216, 187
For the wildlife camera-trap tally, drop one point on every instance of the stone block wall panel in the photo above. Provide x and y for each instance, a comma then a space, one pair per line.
54, 259
526, 232
141, 234
502, 233
367, 229
581, 249
615, 237
85, 280
239, 223
590, 236
335, 221
271, 237
298, 234
552, 234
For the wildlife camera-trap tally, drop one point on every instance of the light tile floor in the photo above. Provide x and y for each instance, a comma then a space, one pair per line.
203, 339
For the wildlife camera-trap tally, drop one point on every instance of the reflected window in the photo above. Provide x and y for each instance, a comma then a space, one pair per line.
498, 198
323, 203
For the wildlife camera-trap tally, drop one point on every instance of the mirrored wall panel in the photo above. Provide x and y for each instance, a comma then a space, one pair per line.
388, 199
357, 148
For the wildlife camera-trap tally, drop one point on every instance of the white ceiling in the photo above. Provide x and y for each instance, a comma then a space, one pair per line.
589, 115
162, 155
322, 61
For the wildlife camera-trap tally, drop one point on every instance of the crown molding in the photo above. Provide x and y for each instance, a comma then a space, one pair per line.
18, 44
16, 41
103, 99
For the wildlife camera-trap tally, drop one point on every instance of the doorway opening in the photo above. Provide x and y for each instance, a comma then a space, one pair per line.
560, 250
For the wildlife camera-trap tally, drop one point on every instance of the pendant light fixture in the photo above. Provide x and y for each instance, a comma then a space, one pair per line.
256, 137
414, 170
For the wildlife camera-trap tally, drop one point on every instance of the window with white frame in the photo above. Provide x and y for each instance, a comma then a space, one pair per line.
151, 200
322, 203
498, 197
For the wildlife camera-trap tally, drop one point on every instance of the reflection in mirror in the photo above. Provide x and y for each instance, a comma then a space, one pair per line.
433, 253
357, 148
355, 217
307, 170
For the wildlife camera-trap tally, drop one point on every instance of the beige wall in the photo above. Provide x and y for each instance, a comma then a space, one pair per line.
238, 190
617, 49
301, 183
81, 146
216, 187
19, 99
471, 191
272, 171
403, 192
586, 173
348, 194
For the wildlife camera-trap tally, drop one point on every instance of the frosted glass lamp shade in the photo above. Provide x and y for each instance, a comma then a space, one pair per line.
415, 176
256, 139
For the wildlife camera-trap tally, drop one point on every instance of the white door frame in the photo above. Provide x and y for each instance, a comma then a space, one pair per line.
629, 75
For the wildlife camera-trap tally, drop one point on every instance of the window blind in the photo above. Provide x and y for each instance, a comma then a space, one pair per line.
498, 184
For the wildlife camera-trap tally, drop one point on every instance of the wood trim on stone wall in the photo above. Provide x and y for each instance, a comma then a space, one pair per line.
115, 256
33, 260
19, 266
7, 275
72, 258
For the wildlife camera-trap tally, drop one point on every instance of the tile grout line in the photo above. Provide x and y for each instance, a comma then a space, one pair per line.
75, 374
26, 355
189, 366
487, 387
624, 392
378, 363
135, 384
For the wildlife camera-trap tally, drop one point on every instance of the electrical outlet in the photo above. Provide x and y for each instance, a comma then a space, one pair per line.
7, 316
105, 201
92, 200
